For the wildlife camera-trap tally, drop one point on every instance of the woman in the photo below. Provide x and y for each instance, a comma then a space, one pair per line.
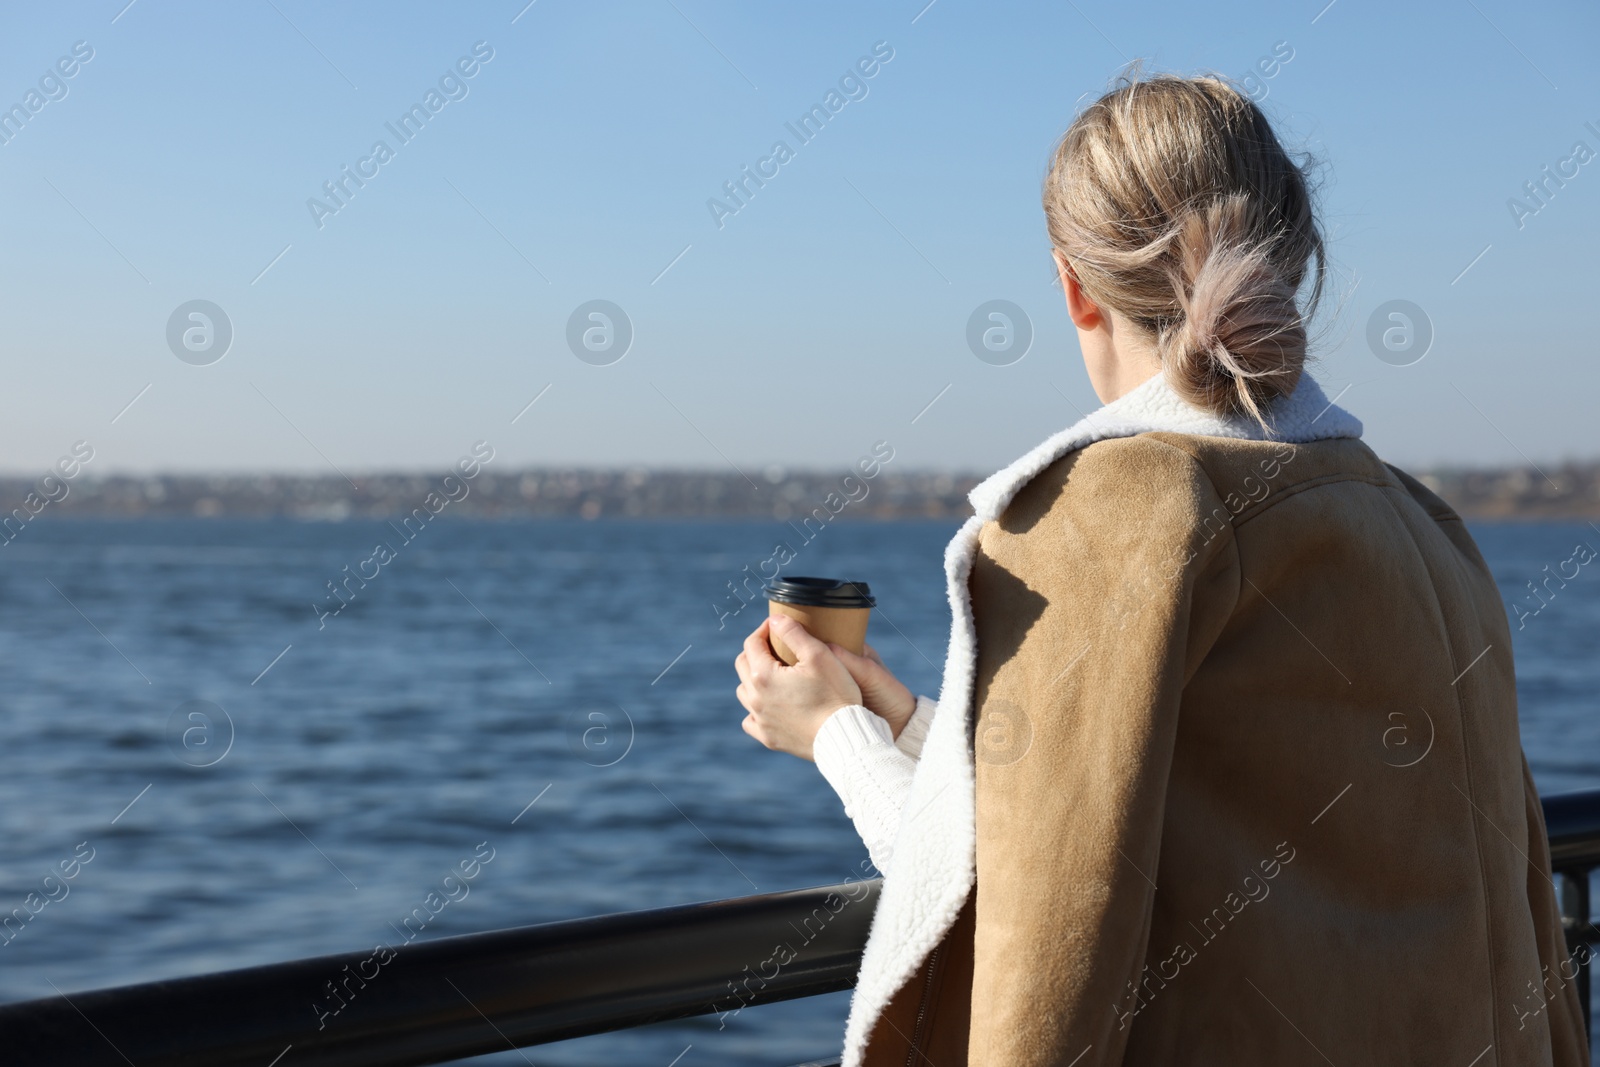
1225, 767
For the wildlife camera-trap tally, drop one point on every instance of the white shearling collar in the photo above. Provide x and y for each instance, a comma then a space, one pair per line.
1304, 415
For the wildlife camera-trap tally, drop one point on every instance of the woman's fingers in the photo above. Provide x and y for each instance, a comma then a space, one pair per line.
797, 637
851, 661
853, 657
758, 650
881, 692
749, 726
787, 706
864, 669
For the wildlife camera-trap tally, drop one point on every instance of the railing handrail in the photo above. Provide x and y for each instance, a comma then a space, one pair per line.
454, 997
1573, 822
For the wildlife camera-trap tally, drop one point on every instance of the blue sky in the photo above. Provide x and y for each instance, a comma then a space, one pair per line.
576, 165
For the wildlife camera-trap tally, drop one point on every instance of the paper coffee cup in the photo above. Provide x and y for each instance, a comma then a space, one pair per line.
832, 610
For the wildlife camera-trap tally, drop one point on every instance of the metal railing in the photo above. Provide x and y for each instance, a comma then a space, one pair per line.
456, 997
1573, 823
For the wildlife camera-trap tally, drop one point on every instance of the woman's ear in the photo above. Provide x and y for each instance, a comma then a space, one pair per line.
1085, 312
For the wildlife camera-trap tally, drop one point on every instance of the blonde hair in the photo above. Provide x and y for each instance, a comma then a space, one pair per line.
1174, 204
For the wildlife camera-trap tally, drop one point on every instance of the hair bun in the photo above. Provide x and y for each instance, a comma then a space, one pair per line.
1239, 340
1178, 208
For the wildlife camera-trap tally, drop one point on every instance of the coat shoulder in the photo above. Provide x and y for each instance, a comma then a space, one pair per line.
1430, 501
1132, 500
1116, 481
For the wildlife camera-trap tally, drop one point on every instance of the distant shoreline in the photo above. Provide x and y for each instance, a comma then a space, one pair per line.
1570, 492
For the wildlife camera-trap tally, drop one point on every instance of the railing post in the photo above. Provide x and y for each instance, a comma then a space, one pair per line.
1576, 917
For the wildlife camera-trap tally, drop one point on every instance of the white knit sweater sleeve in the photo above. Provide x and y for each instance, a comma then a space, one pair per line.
916, 728
871, 769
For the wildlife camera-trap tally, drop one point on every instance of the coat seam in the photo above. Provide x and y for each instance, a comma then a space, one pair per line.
1288, 492
1477, 828
1483, 875
1233, 539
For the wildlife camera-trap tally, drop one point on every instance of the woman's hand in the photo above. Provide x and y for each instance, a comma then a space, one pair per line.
881, 692
788, 705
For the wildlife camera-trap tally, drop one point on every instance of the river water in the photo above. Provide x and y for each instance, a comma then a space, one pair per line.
259, 778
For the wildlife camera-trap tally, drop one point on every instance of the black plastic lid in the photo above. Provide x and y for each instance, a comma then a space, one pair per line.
820, 593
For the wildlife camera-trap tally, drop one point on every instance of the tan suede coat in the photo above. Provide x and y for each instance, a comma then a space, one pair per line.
1249, 787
